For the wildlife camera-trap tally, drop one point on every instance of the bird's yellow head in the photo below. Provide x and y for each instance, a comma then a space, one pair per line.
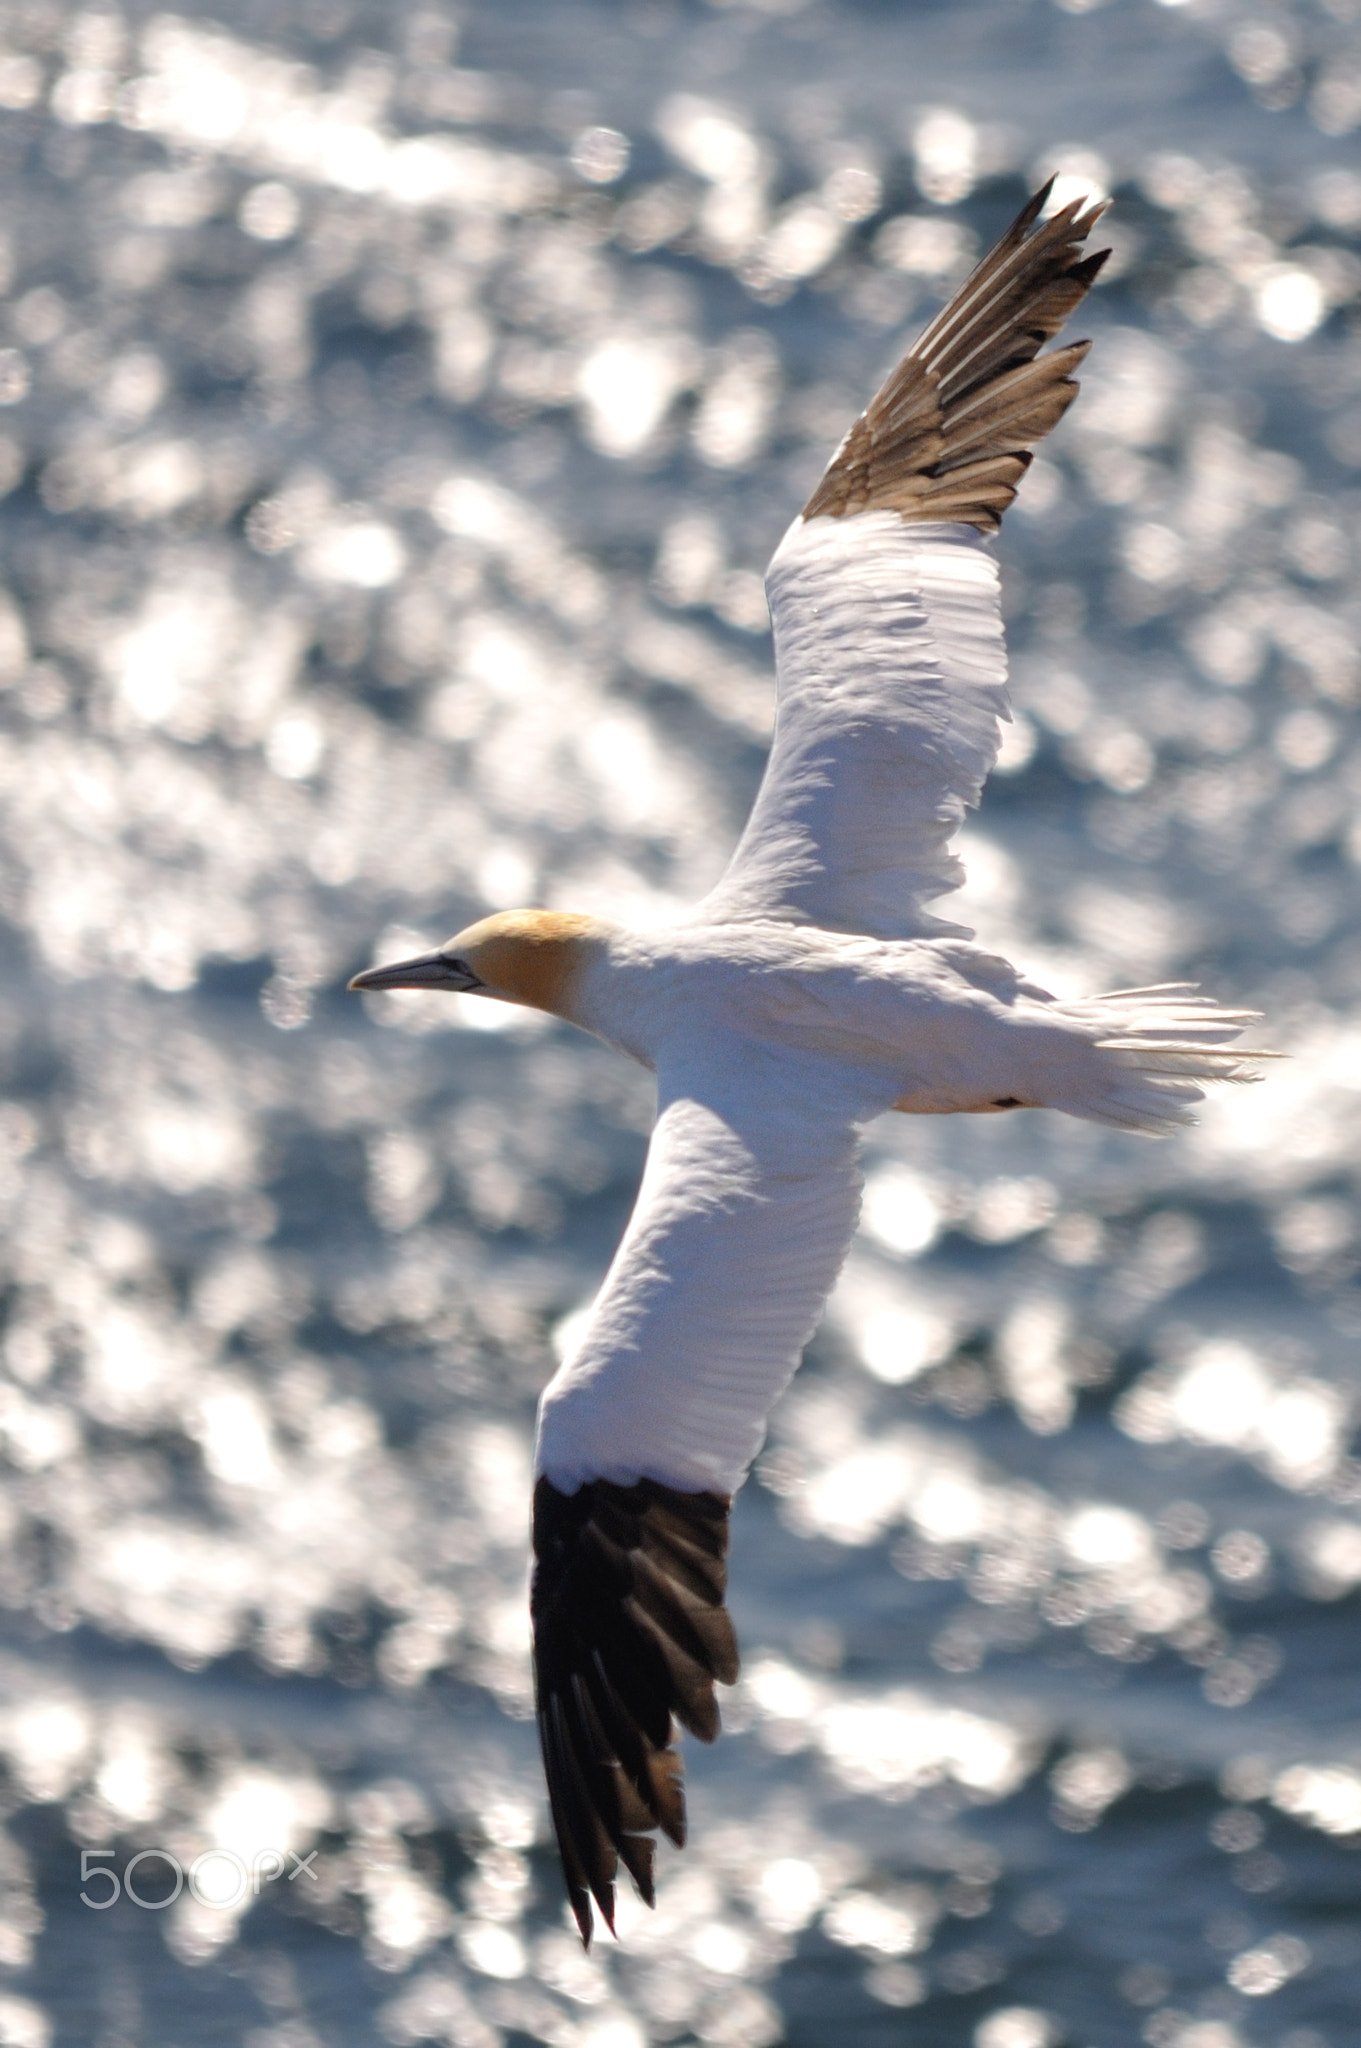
531, 957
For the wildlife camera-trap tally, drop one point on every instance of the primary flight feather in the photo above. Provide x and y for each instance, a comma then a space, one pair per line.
809, 992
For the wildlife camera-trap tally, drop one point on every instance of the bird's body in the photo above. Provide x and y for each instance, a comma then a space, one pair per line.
918, 1023
773, 1045
931, 1026
811, 991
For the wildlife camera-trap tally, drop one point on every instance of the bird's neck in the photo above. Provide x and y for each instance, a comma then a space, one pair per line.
542, 961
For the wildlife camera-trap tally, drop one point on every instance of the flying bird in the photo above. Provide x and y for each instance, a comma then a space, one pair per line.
808, 993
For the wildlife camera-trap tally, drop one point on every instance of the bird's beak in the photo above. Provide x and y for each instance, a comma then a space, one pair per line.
429, 970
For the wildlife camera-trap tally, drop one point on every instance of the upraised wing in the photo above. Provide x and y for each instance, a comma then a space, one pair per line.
747, 1205
886, 607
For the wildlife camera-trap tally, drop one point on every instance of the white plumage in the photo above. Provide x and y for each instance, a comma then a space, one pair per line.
773, 1044
811, 991
747, 1204
892, 678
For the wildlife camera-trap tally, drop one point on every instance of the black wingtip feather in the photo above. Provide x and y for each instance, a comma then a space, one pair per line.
1034, 206
630, 1635
1090, 268
907, 450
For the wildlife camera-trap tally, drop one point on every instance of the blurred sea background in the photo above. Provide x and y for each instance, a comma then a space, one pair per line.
398, 405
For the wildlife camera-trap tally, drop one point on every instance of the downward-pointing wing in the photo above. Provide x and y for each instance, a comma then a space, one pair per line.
630, 1632
747, 1205
886, 608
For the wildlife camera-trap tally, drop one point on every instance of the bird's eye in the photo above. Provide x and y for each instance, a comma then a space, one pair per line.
1007, 1102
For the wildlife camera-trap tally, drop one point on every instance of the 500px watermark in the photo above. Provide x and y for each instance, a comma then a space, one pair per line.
218, 1878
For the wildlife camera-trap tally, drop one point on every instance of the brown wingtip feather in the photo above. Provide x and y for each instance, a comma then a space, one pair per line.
973, 395
630, 1636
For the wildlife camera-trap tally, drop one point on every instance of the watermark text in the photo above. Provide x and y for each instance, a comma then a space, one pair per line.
218, 1877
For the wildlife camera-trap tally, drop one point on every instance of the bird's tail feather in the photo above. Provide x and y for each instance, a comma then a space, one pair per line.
1159, 1049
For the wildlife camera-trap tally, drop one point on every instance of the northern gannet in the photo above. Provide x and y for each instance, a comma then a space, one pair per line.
808, 993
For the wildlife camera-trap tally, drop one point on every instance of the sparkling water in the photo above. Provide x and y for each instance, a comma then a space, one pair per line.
398, 405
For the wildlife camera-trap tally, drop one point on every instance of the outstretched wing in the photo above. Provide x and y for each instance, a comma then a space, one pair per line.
748, 1203
946, 438
630, 1633
886, 607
